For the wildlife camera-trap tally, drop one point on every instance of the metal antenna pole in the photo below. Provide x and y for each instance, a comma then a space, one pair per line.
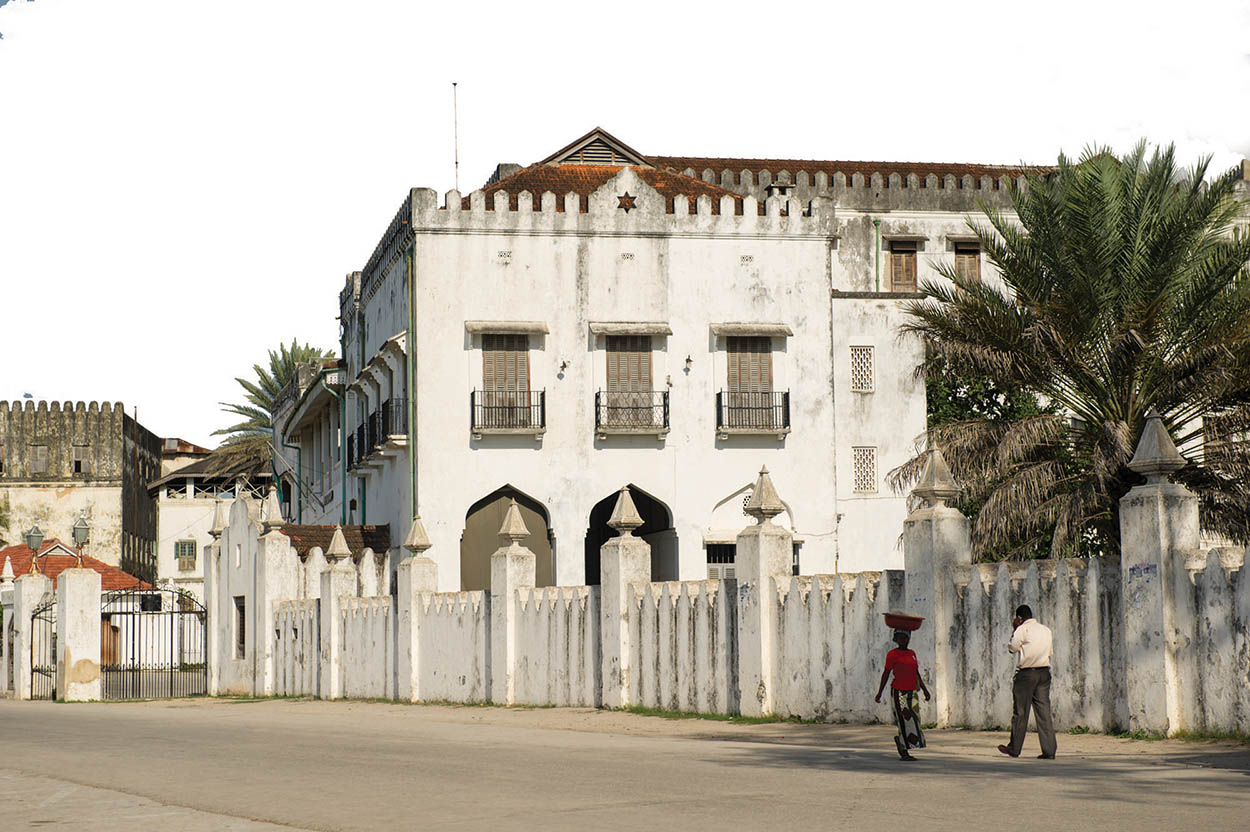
455, 130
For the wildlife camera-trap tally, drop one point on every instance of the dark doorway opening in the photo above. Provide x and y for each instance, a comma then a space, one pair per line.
481, 537
657, 529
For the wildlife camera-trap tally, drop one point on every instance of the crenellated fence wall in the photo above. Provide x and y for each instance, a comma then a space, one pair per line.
1154, 640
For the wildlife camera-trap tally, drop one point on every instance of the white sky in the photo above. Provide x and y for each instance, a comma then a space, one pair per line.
184, 185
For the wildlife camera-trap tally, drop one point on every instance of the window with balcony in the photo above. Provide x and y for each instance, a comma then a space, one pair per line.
630, 403
505, 402
749, 402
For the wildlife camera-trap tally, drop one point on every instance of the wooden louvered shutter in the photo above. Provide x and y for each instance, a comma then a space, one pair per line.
505, 362
903, 266
750, 364
629, 363
968, 261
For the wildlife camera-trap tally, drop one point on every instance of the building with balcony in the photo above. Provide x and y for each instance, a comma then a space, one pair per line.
602, 318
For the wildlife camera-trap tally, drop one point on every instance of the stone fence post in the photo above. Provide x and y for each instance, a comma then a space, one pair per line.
1158, 525
936, 547
212, 590
30, 590
765, 554
337, 581
78, 635
623, 560
415, 577
511, 568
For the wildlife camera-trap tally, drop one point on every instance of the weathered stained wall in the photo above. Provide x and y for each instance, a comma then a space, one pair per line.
118, 457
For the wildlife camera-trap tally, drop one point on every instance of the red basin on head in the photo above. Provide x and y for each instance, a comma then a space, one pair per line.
902, 621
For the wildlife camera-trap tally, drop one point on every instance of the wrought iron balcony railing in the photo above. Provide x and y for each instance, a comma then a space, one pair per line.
624, 410
394, 418
508, 409
753, 411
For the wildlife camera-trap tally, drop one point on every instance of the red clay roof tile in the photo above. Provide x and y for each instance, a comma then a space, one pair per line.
53, 564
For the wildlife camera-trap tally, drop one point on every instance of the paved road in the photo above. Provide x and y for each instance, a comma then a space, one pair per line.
352, 765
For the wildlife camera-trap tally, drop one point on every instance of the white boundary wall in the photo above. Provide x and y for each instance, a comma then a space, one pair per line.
809, 646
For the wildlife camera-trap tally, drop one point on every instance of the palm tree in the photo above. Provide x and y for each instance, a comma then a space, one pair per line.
249, 443
1126, 288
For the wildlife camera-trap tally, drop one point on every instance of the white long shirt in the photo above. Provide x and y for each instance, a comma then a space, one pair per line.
1033, 644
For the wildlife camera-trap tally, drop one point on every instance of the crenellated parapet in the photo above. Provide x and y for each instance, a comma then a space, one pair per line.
61, 440
624, 205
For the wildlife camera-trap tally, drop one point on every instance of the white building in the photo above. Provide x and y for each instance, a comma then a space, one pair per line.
185, 501
602, 318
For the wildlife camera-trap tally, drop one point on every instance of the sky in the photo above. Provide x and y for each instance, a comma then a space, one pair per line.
184, 186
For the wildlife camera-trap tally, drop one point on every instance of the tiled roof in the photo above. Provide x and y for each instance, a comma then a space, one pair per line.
306, 538
54, 563
847, 168
584, 180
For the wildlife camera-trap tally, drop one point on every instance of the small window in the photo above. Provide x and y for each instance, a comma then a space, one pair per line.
861, 369
902, 265
968, 261
1, 458
82, 460
720, 560
864, 470
184, 551
39, 459
240, 626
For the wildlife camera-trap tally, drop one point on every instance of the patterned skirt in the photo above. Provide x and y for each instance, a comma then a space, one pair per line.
907, 716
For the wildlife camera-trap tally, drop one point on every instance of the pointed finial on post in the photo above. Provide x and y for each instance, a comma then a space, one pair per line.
513, 527
764, 504
338, 547
271, 511
417, 540
625, 517
936, 484
7, 576
219, 519
1156, 456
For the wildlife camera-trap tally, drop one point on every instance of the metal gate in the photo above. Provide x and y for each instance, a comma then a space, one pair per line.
153, 644
43, 650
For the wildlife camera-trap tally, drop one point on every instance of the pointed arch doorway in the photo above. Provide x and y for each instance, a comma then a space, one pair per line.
481, 537
657, 529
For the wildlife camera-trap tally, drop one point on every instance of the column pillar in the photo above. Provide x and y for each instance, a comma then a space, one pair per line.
623, 560
29, 591
764, 558
338, 580
212, 597
78, 635
511, 569
415, 577
1158, 524
936, 547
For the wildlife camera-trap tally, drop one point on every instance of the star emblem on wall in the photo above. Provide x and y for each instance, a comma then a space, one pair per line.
626, 201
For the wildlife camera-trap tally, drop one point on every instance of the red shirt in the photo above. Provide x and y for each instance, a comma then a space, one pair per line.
906, 668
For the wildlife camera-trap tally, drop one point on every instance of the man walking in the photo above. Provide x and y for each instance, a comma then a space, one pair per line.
1033, 645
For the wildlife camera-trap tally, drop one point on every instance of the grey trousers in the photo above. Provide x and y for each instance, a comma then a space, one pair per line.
1032, 688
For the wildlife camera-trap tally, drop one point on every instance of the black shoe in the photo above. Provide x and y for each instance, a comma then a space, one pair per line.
1007, 751
1045, 756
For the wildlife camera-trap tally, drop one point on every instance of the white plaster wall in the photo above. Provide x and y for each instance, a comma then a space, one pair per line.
181, 519
558, 646
831, 642
368, 648
891, 419
298, 649
1214, 658
453, 654
681, 647
57, 507
570, 269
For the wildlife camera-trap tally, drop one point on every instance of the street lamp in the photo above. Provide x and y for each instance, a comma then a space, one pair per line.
81, 532
34, 539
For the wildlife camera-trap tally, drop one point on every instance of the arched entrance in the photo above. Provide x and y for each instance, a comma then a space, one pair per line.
481, 537
657, 530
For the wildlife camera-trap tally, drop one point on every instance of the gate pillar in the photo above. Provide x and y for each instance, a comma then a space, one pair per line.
78, 642
28, 592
